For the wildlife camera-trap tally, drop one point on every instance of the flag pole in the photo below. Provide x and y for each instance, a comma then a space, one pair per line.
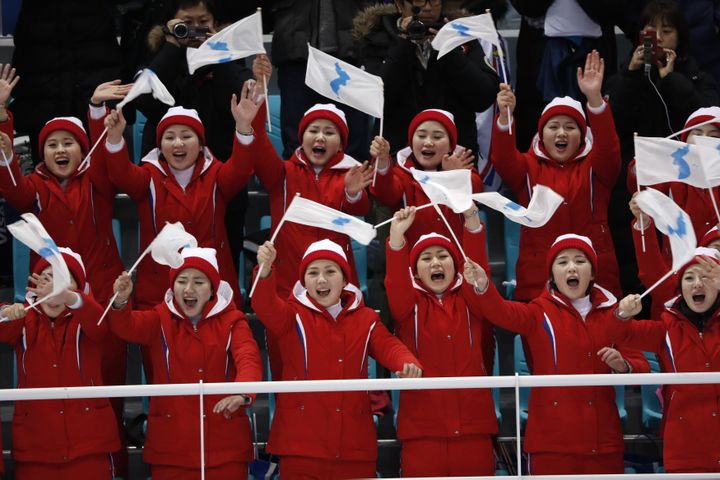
502, 67
12, 177
714, 203
382, 121
712, 120
202, 431
452, 233
391, 218
97, 142
264, 79
272, 240
642, 226
661, 280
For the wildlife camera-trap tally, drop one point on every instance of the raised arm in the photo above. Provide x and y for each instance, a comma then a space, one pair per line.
401, 294
388, 188
11, 331
21, 194
123, 174
141, 327
508, 161
273, 311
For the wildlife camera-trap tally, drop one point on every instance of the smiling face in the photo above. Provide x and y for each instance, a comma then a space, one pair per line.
324, 281
709, 130
192, 290
180, 146
62, 154
698, 296
436, 269
430, 142
561, 138
320, 141
572, 273
49, 307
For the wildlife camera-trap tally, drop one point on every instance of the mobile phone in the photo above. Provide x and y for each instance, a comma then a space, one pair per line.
653, 54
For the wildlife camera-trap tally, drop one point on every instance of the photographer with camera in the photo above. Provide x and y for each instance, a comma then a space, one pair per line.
393, 41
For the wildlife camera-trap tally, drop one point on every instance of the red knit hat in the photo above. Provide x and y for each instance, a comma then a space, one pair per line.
700, 252
434, 240
183, 116
324, 250
328, 111
443, 117
203, 259
564, 106
710, 236
70, 124
699, 116
570, 240
75, 265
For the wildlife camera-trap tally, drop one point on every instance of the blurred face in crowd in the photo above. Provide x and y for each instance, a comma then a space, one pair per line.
320, 141
436, 269
561, 138
50, 307
62, 154
430, 10
192, 290
698, 295
709, 130
430, 142
180, 146
324, 281
572, 273
196, 16
667, 35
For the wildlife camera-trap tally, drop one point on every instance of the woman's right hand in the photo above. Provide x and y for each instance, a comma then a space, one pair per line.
123, 286
505, 100
402, 220
380, 149
637, 61
6, 146
641, 217
107, 91
266, 255
115, 124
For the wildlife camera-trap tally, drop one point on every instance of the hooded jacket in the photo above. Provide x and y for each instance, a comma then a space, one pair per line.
585, 184
62, 352
316, 346
219, 348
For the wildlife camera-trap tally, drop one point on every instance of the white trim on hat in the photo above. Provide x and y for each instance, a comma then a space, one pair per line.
328, 107
565, 102
207, 254
712, 112
181, 112
325, 245
449, 115
708, 252
74, 120
573, 236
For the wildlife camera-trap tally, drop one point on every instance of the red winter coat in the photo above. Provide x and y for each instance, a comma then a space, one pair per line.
314, 346
282, 180
561, 343
585, 183
78, 215
220, 348
64, 352
451, 339
691, 420
200, 208
396, 188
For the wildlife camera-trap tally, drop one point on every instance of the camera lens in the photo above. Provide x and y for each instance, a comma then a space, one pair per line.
180, 30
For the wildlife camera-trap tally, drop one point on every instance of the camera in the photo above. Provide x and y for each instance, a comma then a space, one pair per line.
653, 54
183, 30
417, 29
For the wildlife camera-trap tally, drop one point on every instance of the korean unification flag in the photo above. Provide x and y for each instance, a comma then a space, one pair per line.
452, 188
671, 220
660, 160
344, 83
31, 232
313, 214
147, 82
710, 152
460, 31
165, 248
542, 206
241, 39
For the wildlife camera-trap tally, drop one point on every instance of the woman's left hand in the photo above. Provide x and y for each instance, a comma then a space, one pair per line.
670, 57
461, 159
358, 178
614, 359
229, 405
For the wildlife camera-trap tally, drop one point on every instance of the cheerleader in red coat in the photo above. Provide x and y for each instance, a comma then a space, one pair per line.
195, 334
181, 181
443, 432
59, 344
566, 156
569, 329
432, 146
325, 332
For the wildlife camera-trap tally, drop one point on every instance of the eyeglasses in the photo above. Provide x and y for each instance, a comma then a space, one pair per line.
422, 3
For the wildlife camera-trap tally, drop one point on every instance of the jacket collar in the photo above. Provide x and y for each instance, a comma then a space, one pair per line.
339, 161
350, 292
222, 302
153, 158
539, 150
599, 297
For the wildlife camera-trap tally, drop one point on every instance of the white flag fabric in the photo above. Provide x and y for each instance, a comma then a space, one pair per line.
239, 40
671, 220
148, 82
452, 188
165, 248
710, 153
313, 214
455, 33
660, 160
31, 232
542, 206
344, 83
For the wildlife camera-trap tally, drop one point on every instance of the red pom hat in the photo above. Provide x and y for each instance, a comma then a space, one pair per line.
183, 116
700, 252
324, 250
434, 240
570, 240
710, 236
699, 116
70, 124
203, 259
75, 265
563, 106
328, 111
443, 117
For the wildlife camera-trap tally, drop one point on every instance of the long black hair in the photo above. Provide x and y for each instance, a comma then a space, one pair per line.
671, 14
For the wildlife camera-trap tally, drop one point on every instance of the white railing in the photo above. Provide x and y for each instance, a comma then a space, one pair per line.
434, 383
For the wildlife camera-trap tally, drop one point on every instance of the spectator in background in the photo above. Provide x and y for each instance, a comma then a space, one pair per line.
462, 82
326, 25
63, 50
